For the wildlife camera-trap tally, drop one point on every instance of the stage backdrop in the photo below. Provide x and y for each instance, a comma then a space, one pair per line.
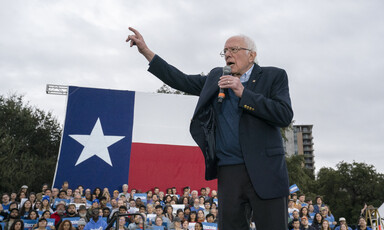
113, 137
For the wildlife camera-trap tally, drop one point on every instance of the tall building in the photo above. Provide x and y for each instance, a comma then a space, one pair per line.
300, 142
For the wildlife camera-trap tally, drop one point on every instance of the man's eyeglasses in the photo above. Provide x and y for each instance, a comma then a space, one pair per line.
232, 50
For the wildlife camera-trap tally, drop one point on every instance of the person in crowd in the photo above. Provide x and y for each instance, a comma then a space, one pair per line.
192, 217
125, 191
185, 225
200, 216
327, 215
317, 221
342, 221
159, 213
305, 224
304, 212
71, 211
66, 225
25, 209
95, 205
33, 215
17, 225
5, 201
46, 214
159, 222
185, 201
198, 226
12, 217
123, 224
196, 204
137, 223
81, 224
319, 204
55, 194
97, 193
45, 204
295, 224
296, 203
363, 224
210, 218
88, 194
42, 224
40, 195
106, 194
187, 212
32, 198
180, 214
106, 213
291, 207
37, 205
311, 211
295, 215
168, 210
177, 223
82, 211
301, 200
13, 197
59, 214
95, 222
325, 225
207, 207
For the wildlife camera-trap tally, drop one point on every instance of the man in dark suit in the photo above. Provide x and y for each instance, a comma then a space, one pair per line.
240, 137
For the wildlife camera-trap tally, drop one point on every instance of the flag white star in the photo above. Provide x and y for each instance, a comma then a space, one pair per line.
96, 144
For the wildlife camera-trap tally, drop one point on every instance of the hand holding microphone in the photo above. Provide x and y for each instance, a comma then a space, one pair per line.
226, 71
227, 81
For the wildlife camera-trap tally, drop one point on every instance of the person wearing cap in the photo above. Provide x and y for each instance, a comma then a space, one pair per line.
24, 189
59, 214
81, 224
343, 221
95, 205
83, 213
96, 222
305, 224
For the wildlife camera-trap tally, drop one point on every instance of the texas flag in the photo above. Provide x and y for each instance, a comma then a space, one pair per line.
114, 137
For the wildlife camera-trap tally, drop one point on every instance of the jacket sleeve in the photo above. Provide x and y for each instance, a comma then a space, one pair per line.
273, 106
173, 77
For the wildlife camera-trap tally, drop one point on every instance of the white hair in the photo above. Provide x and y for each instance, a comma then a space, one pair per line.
249, 43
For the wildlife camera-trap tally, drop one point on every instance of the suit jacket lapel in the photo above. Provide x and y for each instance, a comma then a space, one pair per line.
255, 75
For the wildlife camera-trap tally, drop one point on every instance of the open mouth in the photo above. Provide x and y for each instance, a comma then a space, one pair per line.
230, 63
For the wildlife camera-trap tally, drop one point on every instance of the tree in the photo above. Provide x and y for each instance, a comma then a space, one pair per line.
169, 90
349, 187
29, 144
300, 175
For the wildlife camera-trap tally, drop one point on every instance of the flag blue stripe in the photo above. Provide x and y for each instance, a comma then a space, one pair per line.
115, 110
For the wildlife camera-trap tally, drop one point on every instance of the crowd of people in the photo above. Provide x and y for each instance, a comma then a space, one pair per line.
84, 209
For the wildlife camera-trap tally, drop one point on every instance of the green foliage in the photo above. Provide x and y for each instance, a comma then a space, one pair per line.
167, 89
29, 144
299, 175
349, 187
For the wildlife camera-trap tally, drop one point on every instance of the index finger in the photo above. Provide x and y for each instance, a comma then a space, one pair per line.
134, 31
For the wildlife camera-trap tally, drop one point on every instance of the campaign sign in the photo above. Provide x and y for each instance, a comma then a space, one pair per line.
28, 224
207, 225
51, 222
57, 200
151, 218
177, 206
158, 227
142, 196
74, 221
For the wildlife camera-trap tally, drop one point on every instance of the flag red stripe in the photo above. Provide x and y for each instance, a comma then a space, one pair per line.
166, 166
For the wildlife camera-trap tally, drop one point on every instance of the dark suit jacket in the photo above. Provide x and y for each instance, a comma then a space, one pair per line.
266, 106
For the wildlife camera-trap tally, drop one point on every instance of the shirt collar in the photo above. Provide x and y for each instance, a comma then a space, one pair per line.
246, 75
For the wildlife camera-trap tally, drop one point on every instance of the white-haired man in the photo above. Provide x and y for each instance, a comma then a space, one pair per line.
240, 135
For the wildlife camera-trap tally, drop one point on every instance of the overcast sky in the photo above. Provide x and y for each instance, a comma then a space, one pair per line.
331, 50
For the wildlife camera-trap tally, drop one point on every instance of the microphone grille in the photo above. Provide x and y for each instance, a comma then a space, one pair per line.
227, 70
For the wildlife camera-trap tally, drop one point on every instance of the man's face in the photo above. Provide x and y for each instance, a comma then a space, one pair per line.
106, 212
60, 209
55, 191
159, 211
295, 214
44, 187
62, 195
72, 209
241, 61
207, 206
48, 192
125, 188
95, 213
5, 199
14, 214
302, 198
296, 224
210, 219
203, 192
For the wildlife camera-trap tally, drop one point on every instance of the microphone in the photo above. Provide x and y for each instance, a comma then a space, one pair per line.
226, 71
